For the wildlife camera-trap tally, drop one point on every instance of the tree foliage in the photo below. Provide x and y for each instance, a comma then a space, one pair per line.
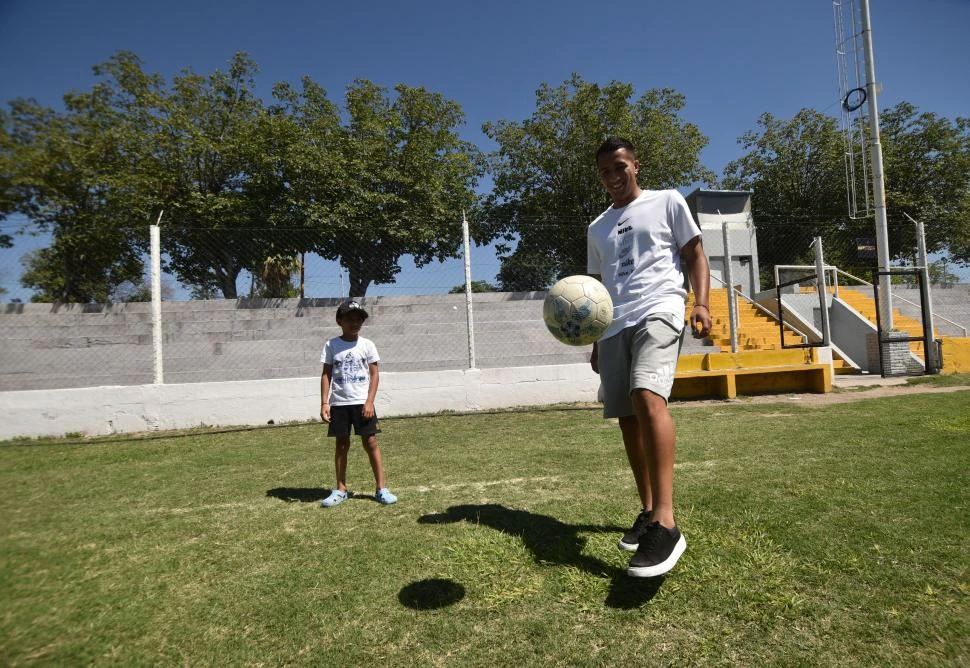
406, 176
546, 189
275, 278
248, 186
795, 168
219, 162
476, 286
244, 186
941, 275
7, 203
927, 165
55, 169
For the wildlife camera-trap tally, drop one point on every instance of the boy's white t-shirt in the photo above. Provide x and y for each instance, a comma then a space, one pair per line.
636, 252
351, 371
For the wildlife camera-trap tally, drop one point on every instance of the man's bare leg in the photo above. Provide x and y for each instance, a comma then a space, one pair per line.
659, 438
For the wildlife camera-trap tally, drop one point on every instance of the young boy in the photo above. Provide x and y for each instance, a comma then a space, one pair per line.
348, 386
641, 248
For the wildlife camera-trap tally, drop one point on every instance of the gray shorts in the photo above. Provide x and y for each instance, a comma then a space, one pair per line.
640, 357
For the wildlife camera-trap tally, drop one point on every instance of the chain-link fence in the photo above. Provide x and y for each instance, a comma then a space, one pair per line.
256, 304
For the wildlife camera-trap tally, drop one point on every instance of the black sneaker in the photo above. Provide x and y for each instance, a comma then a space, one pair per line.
659, 550
631, 539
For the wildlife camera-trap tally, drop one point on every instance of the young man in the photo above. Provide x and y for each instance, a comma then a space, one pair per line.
639, 248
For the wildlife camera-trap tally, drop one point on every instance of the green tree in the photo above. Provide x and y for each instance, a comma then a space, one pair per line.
132, 292
220, 157
310, 139
405, 177
204, 150
67, 172
477, 286
927, 165
795, 168
7, 164
275, 278
241, 184
941, 275
546, 190
531, 269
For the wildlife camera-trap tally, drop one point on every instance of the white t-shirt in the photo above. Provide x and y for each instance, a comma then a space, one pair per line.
351, 370
636, 252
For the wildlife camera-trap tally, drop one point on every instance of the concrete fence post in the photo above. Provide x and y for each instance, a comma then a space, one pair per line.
466, 241
156, 279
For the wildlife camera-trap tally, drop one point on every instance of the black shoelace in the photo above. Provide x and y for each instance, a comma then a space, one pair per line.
654, 534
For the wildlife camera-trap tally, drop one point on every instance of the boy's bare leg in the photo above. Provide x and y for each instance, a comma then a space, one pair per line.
374, 455
340, 461
657, 426
636, 454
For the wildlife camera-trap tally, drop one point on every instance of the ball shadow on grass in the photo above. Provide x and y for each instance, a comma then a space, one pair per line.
431, 594
552, 541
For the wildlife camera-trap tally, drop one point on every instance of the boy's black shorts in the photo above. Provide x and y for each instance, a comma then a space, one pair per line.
341, 417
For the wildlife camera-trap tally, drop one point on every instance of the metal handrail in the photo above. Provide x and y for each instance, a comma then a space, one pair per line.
865, 282
773, 316
903, 299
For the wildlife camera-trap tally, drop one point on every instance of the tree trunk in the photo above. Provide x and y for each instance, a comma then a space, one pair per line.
227, 282
356, 275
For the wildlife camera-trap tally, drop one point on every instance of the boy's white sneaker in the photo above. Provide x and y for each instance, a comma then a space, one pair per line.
384, 496
336, 497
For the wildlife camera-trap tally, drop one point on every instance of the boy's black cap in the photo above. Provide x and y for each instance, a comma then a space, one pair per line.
350, 306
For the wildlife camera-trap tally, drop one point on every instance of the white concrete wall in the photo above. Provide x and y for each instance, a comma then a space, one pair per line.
98, 411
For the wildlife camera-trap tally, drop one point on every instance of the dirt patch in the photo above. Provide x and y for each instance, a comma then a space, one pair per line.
841, 396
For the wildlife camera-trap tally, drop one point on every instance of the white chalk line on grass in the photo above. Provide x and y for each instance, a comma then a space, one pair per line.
482, 484
620, 473
183, 510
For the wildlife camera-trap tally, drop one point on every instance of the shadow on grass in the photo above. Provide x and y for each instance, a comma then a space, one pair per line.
312, 494
431, 594
300, 494
553, 542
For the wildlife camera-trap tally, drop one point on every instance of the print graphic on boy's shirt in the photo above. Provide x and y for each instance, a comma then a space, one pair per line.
350, 370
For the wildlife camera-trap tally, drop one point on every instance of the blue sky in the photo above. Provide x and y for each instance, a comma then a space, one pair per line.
733, 60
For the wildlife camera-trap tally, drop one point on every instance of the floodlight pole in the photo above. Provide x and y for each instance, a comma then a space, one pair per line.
885, 304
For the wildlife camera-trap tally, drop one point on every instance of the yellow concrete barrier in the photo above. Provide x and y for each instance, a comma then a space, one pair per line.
956, 354
726, 375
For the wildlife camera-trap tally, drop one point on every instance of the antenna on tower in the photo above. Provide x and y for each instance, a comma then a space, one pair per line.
848, 41
850, 61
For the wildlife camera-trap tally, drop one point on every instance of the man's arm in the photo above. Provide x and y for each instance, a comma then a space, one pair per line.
594, 357
699, 272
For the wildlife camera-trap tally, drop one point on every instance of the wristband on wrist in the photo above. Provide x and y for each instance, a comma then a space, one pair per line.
703, 306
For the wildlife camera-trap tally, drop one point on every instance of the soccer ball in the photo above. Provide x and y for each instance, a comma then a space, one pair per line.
577, 310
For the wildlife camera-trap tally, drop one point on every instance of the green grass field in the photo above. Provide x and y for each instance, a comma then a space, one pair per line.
835, 535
